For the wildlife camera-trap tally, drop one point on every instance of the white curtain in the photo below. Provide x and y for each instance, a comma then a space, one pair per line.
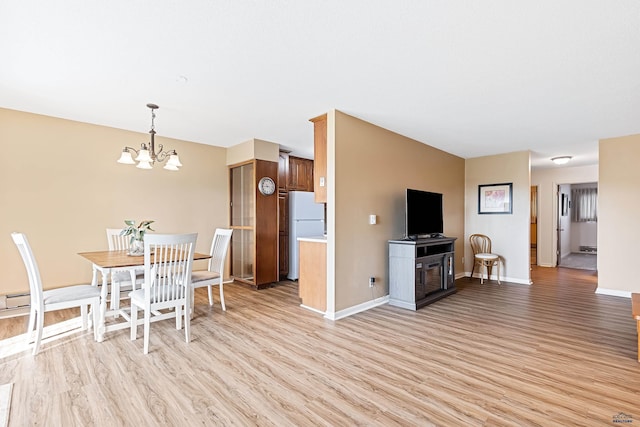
584, 204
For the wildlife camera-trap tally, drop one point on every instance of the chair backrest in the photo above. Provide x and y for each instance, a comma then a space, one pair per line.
219, 249
116, 241
35, 282
480, 244
168, 261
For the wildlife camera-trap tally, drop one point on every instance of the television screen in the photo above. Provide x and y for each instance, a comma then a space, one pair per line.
423, 213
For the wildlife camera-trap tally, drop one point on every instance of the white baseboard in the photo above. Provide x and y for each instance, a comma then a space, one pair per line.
503, 279
357, 308
613, 292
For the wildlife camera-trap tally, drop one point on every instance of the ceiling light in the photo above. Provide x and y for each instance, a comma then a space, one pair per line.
561, 160
147, 154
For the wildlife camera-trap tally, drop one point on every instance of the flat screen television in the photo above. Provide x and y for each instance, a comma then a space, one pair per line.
423, 214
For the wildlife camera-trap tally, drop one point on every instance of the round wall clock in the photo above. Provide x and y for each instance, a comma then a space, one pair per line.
266, 186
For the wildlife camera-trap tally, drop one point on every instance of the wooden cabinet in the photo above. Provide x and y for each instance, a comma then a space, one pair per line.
283, 234
312, 284
283, 170
320, 158
254, 220
300, 174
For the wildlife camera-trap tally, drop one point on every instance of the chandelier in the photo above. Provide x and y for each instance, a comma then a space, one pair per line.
147, 154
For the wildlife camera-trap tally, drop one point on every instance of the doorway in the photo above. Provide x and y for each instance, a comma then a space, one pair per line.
577, 226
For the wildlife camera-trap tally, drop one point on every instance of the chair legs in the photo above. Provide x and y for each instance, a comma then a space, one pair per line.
39, 328
222, 297
487, 266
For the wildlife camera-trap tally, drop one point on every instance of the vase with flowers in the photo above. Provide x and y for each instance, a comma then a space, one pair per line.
137, 235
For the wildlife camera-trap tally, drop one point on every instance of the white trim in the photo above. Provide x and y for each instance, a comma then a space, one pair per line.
613, 292
312, 309
357, 308
504, 279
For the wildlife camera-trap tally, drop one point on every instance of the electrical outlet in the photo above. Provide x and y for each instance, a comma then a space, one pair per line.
372, 280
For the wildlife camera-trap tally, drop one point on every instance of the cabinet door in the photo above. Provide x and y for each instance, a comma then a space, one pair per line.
300, 174
242, 222
283, 252
283, 234
320, 158
283, 170
420, 281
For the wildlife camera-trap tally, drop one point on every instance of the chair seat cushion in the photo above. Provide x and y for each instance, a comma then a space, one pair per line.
487, 256
202, 275
70, 293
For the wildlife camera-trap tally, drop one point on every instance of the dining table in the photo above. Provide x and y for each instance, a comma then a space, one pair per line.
107, 262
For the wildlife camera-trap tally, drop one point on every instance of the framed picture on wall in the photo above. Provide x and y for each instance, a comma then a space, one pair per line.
565, 204
495, 198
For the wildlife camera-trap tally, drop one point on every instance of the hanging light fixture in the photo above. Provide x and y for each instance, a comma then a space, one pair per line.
147, 154
561, 160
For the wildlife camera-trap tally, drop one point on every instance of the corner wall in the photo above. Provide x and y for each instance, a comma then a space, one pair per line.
373, 167
618, 212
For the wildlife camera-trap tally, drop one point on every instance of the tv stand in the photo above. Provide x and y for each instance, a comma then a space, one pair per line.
421, 271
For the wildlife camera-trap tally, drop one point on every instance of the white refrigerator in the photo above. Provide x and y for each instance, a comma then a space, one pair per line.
306, 219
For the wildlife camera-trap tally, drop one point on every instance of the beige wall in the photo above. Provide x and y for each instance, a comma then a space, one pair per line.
547, 181
509, 233
253, 149
61, 185
371, 168
618, 213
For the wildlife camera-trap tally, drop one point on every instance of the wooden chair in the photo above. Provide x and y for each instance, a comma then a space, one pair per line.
121, 280
214, 275
483, 257
168, 260
54, 299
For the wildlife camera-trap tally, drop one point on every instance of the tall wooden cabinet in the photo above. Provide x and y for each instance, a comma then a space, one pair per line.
283, 214
320, 158
254, 220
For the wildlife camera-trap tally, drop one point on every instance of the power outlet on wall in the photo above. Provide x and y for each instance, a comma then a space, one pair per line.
372, 281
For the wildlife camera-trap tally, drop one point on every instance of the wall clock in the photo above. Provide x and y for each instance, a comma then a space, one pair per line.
266, 186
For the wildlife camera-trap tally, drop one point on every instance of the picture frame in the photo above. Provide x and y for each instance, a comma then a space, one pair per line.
495, 198
565, 205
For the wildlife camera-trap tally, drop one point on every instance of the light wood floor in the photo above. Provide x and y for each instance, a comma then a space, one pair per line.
553, 353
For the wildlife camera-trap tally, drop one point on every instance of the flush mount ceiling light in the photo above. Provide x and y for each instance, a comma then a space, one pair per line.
147, 154
561, 160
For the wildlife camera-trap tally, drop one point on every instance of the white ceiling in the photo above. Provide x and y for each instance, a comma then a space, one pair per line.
469, 77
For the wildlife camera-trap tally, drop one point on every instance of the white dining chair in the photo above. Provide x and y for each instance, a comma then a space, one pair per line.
121, 280
42, 301
168, 261
214, 275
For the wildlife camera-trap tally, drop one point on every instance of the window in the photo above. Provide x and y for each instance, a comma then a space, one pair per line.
584, 204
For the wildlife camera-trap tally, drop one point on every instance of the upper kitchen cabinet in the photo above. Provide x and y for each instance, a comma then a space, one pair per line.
300, 174
320, 158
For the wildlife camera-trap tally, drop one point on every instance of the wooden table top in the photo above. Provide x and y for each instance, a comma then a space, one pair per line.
119, 259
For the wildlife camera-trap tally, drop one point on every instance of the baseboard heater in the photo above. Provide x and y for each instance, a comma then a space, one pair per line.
8, 302
589, 249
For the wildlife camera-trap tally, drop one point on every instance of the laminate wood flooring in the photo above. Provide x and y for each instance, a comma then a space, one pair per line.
553, 353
